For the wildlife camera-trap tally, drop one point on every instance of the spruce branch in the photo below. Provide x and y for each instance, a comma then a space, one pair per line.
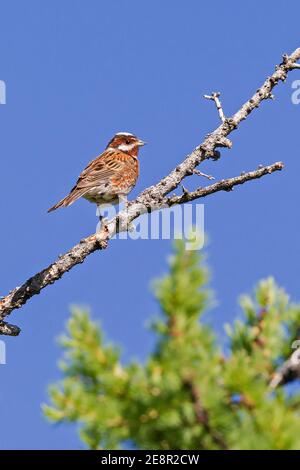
152, 198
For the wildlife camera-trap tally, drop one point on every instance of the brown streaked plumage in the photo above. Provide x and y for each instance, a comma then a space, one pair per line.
111, 175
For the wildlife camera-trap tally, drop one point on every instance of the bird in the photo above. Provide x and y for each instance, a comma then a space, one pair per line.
109, 177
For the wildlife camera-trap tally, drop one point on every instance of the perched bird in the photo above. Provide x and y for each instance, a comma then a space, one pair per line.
110, 176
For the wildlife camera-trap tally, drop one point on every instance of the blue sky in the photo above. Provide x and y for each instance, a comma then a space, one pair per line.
77, 72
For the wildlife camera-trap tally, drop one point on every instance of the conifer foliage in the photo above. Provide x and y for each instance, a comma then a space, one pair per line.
189, 394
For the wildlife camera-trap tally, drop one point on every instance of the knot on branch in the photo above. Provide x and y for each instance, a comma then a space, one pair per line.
8, 329
223, 142
216, 155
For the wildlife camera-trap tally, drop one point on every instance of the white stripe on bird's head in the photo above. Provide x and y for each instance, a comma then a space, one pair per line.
127, 134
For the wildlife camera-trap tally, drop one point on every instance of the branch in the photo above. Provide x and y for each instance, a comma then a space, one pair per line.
99, 241
223, 185
33, 286
289, 371
152, 198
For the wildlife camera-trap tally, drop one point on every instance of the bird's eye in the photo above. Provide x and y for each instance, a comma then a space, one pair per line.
127, 142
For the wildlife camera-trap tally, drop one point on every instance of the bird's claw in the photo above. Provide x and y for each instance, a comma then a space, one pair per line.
103, 222
131, 227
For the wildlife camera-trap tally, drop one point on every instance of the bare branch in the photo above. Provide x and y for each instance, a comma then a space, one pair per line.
215, 97
223, 185
218, 138
152, 198
289, 371
19, 296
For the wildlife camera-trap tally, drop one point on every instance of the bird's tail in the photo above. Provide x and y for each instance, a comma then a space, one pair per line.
68, 200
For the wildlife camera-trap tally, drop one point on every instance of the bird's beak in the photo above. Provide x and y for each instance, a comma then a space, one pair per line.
141, 143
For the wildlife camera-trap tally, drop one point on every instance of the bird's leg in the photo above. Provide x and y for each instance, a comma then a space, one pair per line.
98, 214
102, 219
123, 198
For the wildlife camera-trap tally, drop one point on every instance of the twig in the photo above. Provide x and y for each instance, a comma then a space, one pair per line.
215, 97
150, 199
199, 173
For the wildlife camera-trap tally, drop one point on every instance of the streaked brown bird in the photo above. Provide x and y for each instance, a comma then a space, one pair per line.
110, 176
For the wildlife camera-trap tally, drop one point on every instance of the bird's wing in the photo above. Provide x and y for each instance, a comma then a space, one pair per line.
99, 171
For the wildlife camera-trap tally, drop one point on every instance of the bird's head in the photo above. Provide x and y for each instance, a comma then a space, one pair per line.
126, 142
